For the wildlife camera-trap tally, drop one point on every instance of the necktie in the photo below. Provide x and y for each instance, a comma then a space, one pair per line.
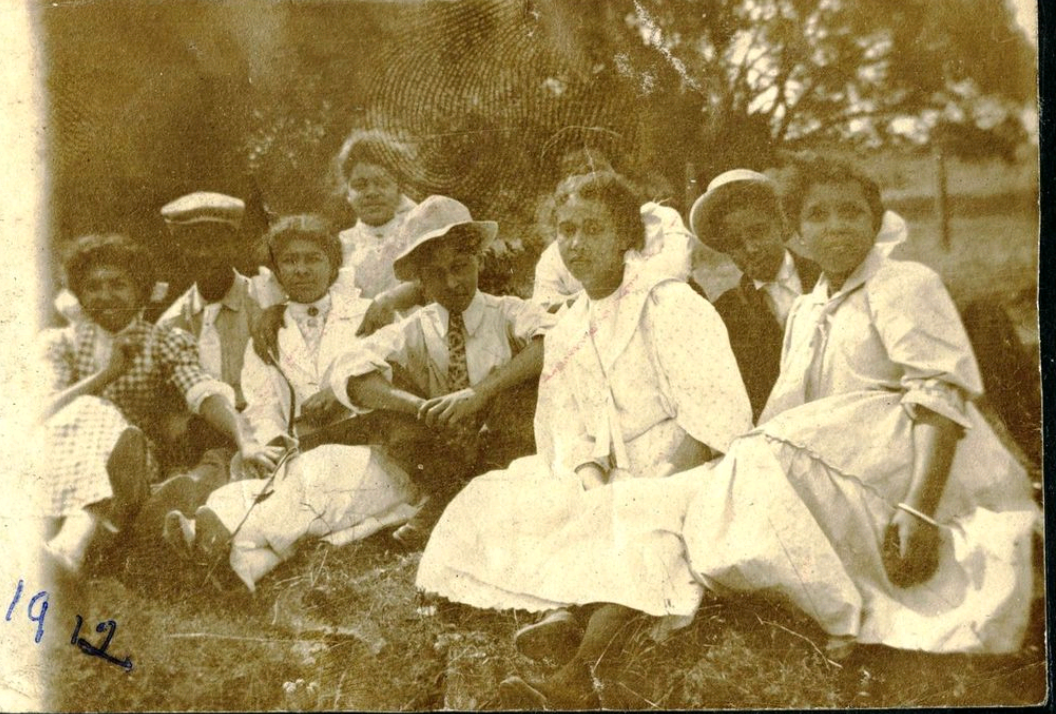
457, 369
209, 351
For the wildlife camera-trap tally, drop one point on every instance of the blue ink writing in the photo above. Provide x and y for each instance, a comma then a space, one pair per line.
42, 598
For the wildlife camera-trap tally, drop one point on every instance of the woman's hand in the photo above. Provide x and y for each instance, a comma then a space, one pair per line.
380, 313
321, 408
452, 409
259, 461
591, 476
910, 550
122, 356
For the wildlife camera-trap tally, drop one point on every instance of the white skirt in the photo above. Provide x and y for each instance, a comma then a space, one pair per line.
336, 493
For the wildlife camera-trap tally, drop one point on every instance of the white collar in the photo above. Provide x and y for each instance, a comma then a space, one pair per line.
382, 231
784, 274
472, 316
299, 311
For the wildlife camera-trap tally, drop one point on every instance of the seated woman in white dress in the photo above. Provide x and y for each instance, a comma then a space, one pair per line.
872, 422
638, 381
340, 493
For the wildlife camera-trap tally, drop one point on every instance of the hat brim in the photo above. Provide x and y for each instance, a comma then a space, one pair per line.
406, 264
700, 215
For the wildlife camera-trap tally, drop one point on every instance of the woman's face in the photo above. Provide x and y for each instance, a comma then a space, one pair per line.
373, 193
108, 296
590, 245
836, 226
304, 270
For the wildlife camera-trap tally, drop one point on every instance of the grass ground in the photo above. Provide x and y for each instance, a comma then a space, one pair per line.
344, 628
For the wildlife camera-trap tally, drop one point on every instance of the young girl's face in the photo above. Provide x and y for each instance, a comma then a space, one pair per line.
836, 225
590, 245
373, 193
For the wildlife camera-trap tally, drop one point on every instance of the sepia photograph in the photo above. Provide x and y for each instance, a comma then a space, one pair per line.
414, 355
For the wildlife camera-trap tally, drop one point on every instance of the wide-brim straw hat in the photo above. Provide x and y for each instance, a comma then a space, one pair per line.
433, 219
700, 216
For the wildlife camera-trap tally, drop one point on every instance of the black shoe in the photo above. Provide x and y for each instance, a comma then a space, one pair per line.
556, 636
411, 537
518, 693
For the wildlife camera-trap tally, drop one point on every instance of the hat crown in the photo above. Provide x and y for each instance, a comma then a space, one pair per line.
736, 175
436, 213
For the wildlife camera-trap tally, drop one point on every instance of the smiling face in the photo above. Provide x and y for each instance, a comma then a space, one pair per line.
837, 227
108, 295
304, 270
373, 193
590, 245
753, 241
448, 276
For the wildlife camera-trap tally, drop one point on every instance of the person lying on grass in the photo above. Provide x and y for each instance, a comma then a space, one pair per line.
447, 369
340, 492
115, 380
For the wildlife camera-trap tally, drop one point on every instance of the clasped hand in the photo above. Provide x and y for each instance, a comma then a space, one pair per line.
260, 461
910, 550
321, 407
451, 409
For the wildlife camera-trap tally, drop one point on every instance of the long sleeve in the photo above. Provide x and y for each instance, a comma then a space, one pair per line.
921, 330
177, 354
525, 320
391, 345
692, 349
265, 410
56, 359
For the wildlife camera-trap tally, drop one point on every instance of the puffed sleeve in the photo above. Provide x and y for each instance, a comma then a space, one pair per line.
265, 410
922, 332
391, 345
525, 320
553, 283
177, 353
699, 372
668, 243
56, 359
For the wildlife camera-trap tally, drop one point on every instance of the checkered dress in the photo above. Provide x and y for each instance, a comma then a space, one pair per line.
77, 440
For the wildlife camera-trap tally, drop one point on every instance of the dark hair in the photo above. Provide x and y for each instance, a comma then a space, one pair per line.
734, 196
809, 170
91, 251
618, 194
309, 227
373, 147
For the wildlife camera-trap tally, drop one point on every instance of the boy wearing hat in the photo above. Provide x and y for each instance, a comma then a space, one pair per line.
444, 366
220, 306
740, 215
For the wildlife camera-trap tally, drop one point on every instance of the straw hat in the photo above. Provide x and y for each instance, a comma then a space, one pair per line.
720, 188
430, 221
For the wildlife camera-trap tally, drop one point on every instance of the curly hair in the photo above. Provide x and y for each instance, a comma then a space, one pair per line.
618, 194
810, 170
309, 227
372, 147
114, 250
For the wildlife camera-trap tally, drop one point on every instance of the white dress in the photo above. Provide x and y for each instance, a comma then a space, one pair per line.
856, 367
624, 381
334, 492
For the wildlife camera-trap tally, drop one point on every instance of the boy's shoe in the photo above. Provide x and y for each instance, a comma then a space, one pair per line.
518, 693
212, 539
556, 636
179, 533
411, 537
